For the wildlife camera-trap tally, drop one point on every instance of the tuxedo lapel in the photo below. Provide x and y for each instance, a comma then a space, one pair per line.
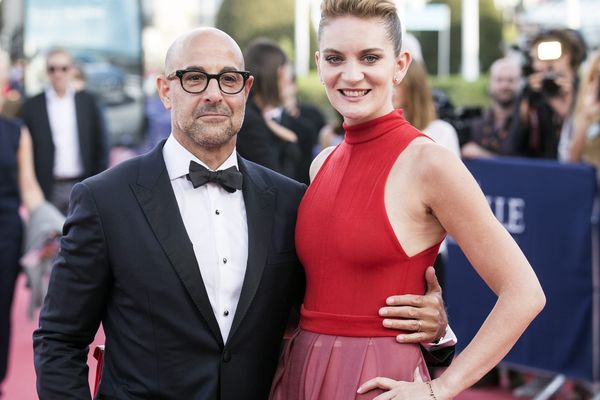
83, 121
45, 125
259, 199
43, 109
155, 196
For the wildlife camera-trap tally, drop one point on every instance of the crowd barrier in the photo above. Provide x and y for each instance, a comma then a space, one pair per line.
550, 210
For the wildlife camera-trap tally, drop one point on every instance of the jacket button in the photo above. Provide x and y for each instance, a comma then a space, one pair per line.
226, 356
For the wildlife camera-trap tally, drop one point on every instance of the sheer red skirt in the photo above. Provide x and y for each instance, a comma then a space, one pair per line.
315, 366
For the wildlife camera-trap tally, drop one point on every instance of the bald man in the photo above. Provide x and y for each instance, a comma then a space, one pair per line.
491, 134
185, 255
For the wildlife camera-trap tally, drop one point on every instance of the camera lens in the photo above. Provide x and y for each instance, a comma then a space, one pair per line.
549, 87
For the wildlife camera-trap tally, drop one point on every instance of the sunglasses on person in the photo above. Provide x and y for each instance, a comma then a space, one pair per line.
55, 68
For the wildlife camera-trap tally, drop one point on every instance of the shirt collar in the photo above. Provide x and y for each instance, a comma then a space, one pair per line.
52, 95
177, 159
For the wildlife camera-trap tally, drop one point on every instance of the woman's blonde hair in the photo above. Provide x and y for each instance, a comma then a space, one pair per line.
591, 74
381, 9
418, 105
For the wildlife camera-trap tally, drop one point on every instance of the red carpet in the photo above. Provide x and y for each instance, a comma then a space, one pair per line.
20, 383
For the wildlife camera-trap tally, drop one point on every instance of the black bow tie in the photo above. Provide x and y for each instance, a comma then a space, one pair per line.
230, 179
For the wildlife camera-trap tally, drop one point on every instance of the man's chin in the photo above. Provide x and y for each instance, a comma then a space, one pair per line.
213, 140
504, 102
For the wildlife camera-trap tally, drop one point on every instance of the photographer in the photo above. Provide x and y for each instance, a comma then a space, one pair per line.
546, 102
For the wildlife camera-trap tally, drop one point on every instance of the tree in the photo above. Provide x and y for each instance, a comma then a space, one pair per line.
490, 36
246, 20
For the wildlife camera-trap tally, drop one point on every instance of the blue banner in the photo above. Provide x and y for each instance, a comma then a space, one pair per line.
547, 207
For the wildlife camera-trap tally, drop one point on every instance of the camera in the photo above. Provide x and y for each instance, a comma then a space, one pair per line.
548, 50
549, 86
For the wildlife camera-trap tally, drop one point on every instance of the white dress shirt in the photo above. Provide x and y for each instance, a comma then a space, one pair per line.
215, 221
63, 124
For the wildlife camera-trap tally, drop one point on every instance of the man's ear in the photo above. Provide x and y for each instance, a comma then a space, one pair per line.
248, 86
164, 90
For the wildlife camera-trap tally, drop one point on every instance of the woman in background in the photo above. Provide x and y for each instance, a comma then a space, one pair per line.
585, 145
18, 185
413, 95
262, 138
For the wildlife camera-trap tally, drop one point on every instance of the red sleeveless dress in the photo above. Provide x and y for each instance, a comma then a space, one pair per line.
353, 262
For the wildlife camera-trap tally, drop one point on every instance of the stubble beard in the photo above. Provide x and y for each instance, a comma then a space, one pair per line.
504, 101
210, 135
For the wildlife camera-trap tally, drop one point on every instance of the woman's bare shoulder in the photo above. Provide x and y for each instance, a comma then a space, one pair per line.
425, 153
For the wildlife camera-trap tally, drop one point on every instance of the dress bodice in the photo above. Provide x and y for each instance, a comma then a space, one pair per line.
352, 257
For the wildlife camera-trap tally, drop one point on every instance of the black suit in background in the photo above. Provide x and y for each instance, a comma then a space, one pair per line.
93, 139
127, 261
257, 142
307, 125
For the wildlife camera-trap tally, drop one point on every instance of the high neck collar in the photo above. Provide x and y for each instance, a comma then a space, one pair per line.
374, 128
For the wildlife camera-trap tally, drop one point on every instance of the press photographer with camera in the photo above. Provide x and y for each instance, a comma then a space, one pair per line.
546, 104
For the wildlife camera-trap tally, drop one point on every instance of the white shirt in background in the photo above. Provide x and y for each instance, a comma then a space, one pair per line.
63, 125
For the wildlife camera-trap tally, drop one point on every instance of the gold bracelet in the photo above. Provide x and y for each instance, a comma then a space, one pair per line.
431, 394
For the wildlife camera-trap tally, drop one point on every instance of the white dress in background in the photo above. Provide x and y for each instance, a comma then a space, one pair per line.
443, 133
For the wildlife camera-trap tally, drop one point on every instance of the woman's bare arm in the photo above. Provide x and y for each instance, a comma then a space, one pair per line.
31, 193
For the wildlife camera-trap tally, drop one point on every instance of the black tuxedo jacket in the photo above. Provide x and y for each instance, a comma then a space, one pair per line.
127, 261
93, 140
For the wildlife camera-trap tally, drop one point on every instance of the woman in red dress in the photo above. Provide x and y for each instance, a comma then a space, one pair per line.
372, 220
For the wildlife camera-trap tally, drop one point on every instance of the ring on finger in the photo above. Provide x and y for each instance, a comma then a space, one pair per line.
419, 325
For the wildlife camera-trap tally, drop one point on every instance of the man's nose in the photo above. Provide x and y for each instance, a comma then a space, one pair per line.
213, 93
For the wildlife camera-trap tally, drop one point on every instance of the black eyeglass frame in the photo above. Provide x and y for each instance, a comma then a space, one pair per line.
54, 68
180, 72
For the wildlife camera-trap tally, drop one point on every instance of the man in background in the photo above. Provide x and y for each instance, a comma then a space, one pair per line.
67, 129
491, 132
545, 106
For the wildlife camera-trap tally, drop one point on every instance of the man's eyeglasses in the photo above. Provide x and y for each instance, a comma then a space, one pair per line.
54, 68
195, 81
